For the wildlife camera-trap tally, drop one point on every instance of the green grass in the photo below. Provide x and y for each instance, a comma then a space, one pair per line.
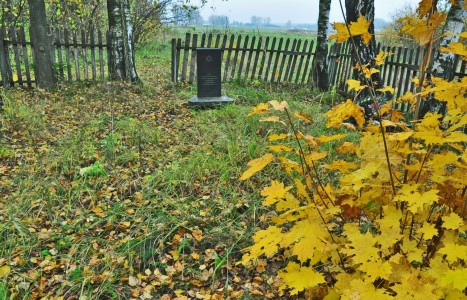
105, 181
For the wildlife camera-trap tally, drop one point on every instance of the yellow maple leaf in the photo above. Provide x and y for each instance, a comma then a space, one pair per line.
355, 85
266, 243
303, 116
356, 28
298, 278
279, 106
456, 48
341, 165
422, 30
4, 271
290, 165
287, 203
280, 148
416, 201
424, 7
276, 137
454, 251
361, 248
274, 119
428, 231
343, 112
257, 165
380, 59
301, 190
274, 192
325, 138
360, 290
453, 221
346, 147
314, 156
259, 109
389, 89
455, 278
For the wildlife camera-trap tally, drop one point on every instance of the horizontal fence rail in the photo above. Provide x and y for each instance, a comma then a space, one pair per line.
278, 60
77, 55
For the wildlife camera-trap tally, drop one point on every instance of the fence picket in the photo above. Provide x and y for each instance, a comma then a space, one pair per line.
22, 41
17, 59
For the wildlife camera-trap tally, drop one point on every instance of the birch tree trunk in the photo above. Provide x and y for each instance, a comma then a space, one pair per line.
42, 45
122, 53
320, 61
442, 63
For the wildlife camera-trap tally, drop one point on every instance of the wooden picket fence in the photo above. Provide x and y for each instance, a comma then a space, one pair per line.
78, 55
397, 71
278, 60
263, 58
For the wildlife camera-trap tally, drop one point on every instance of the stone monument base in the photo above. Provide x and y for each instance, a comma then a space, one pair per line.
209, 101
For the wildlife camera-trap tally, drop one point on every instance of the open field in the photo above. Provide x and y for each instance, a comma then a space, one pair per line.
113, 191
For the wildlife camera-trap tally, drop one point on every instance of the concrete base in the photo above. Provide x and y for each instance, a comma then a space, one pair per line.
210, 101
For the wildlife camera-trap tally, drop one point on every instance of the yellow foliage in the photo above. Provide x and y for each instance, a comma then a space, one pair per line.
257, 165
391, 212
356, 28
300, 278
342, 112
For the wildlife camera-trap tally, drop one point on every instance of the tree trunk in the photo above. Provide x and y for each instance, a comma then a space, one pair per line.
364, 54
442, 63
122, 55
320, 60
42, 45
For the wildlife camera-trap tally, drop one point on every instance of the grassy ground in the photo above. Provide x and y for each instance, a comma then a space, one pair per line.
113, 191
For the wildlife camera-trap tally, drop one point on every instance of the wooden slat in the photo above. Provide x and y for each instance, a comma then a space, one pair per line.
258, 52
234, 61
66, 34
250, 56
16, 53
179, 55
218, 38
76, 56
203, 40
294, 61
224, 43
307, 63
242, 60
263, 53
22, 40
415, 71
284, 57
300, 62
270, 54
58, 49
85, 54
396, 78
185, 56
93, 55
403, 74
229, 55
101, 55
290, 56
276, 60
193, 59
209, 40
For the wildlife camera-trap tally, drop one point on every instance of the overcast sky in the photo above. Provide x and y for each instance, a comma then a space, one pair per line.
297, 11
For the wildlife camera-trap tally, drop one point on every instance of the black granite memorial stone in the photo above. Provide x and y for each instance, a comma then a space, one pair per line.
209, 78
209, 72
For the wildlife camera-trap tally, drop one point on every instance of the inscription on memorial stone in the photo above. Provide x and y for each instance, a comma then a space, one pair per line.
209, 72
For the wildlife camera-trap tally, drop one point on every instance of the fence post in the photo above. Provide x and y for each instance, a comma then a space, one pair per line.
174, 64
4, 64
